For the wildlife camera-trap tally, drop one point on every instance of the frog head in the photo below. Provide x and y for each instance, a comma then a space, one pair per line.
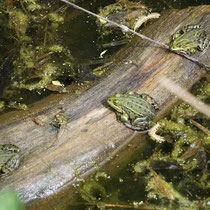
114, 102
188, 39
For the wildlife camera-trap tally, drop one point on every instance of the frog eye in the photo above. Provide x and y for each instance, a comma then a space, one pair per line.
9, 147
129, 92
117, 95
115, 102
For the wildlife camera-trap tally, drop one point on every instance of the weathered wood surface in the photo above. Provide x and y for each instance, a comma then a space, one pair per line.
92, 132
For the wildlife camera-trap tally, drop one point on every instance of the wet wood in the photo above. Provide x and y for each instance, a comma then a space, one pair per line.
92, 134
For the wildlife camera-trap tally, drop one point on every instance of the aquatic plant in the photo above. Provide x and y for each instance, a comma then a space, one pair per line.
185, 152
31, 35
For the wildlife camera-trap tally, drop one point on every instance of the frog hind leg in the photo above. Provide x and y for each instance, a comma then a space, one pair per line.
135, 128
191, 51
140, 124
12, 164
204, 43
5, 170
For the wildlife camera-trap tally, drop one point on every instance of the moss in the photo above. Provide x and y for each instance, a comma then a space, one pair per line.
184, 133
54, 17
18, 21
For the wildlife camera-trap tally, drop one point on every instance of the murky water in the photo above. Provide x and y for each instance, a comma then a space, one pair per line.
123, 186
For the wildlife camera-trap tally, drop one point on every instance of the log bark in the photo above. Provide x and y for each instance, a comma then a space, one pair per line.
92, 133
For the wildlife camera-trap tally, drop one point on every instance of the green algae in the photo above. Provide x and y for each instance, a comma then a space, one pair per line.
31, 33
184, 153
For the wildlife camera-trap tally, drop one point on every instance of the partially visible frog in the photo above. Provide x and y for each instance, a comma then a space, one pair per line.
9, 158
189, 39
135, 111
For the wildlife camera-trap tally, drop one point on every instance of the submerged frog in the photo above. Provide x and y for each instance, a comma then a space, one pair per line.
189, 39
135, 111
9, 158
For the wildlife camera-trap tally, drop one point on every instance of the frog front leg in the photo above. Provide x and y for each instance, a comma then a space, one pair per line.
5, 169
204, 44
191, 51
123, 117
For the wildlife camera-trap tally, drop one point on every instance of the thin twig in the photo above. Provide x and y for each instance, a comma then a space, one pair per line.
126, 29
23, 7
194, 60
185, 95
202, 128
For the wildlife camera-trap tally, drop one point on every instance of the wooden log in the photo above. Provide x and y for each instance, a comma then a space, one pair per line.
92, 133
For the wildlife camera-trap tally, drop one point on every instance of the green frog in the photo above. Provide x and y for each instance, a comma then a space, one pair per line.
189, 39
135, 111
9, 158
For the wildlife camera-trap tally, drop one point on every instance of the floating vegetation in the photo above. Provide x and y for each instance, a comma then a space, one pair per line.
128, 13
33, 53
92, 190
12, 105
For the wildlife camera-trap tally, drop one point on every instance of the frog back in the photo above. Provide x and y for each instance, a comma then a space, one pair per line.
136, 106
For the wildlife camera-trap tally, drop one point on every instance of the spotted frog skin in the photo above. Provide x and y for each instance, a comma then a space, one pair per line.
9, 158
135, 111
189, 39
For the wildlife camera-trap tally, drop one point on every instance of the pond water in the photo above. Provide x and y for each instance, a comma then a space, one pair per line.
124, 186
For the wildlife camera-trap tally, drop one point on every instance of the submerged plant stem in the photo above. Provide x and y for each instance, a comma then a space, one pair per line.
45, 34
23, 7
112, 205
